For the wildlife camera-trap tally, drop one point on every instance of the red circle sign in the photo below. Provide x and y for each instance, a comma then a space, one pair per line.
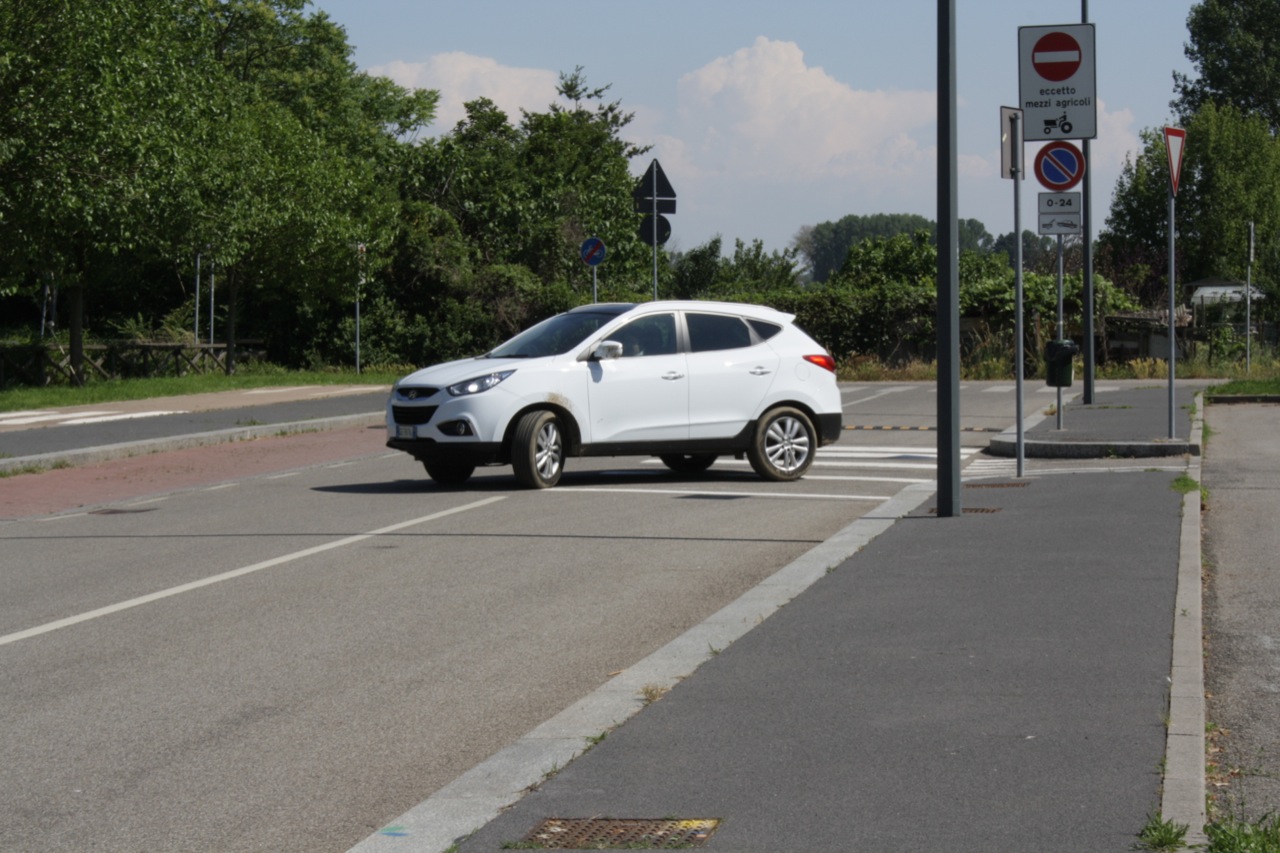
1056, 56
1059, 166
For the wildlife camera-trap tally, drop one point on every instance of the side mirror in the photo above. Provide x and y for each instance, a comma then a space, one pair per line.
607, 350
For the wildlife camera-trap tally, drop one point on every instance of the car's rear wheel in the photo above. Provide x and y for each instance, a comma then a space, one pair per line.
449, 472
688, 463
537, 450
783, 446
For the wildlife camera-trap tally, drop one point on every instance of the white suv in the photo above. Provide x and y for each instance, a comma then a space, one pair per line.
684, 381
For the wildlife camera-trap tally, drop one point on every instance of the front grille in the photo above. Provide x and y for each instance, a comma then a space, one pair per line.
415, 392
413, 415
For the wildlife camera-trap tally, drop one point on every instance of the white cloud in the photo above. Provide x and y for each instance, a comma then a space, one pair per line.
762, 112
462, 77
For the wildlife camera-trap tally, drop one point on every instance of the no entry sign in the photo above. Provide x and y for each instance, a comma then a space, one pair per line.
1059, 166
1056, 81
1056, 56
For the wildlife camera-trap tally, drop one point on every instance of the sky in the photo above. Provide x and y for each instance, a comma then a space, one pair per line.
767, 116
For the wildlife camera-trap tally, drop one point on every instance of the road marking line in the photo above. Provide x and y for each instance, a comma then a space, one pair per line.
56, 416
102, 419
907, 480
234, 573
715, 494
877, 394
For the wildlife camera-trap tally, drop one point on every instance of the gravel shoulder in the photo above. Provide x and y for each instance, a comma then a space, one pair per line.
1241, 472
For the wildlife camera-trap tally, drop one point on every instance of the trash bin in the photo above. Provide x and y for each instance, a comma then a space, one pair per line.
1058, 363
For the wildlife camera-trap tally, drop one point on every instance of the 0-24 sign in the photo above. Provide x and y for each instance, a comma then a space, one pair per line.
1060, 213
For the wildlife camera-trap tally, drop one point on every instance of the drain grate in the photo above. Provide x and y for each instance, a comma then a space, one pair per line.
619, 834
121, 510
995, 485
966, 510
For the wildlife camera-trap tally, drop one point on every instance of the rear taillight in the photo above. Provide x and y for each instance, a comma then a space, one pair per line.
824, 361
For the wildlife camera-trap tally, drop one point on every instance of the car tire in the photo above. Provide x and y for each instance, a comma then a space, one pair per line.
688, 463
449, 472
537, 450
783, 446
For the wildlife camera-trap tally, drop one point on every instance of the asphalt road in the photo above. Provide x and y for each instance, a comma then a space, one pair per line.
282, 659
221, 654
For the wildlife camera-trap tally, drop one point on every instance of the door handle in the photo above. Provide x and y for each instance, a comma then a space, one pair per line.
760, 371
672, 375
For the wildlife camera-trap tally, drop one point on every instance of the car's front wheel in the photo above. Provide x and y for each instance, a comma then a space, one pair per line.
783, 446
537, 450
688, 463
449, 472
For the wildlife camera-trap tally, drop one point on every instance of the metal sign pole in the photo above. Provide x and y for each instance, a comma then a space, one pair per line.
196, 337
655, 230
1248, 308
1173, 349
1019, 346
1061, 331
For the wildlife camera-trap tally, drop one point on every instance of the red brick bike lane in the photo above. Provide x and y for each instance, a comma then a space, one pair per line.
61, 490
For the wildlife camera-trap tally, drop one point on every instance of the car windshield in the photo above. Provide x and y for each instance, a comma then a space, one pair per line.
553, 336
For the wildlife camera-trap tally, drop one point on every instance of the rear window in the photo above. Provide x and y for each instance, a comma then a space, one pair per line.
765, 329
716, 331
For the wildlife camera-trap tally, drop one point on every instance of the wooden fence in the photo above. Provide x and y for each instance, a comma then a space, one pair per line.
50, 364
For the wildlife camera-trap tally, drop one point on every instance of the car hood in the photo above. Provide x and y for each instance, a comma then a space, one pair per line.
450, 372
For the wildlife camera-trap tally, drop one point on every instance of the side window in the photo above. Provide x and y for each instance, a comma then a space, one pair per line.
655, 335
716, 331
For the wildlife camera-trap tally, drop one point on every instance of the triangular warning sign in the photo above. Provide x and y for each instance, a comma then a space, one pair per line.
654, 184
1175, 142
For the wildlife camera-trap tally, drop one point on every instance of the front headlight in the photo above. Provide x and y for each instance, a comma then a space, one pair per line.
478, 384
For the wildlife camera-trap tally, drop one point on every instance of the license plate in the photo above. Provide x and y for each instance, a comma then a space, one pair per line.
405, 432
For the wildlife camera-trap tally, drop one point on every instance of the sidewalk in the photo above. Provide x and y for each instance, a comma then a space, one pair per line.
1026, 676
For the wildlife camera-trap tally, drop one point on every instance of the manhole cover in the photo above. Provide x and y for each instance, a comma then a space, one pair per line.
620, 834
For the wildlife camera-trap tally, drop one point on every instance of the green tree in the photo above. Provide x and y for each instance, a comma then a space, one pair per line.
495, 213
1230, 176
825, 246
1235, 48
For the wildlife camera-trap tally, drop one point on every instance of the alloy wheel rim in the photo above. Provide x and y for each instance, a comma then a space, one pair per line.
787, 444
547, 455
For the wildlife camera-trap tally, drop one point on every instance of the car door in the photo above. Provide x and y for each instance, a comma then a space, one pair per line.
730, 371
643, 396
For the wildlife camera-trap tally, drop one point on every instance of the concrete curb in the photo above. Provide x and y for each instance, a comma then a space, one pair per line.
1183, 798
105, 453
478, 796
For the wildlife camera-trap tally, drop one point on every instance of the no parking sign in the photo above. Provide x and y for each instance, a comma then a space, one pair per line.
1059, 166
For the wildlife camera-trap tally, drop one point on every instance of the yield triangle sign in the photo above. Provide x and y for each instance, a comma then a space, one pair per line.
1175, 142
654, 184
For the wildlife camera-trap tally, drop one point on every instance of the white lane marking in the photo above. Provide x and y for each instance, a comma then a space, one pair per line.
905, 480
219, 487
877, 394
864, 449
56, 416
234, 573
101, 419
717, 494
282, 476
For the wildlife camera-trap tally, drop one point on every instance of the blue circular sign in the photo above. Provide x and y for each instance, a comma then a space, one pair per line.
1059, 166
592, 251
